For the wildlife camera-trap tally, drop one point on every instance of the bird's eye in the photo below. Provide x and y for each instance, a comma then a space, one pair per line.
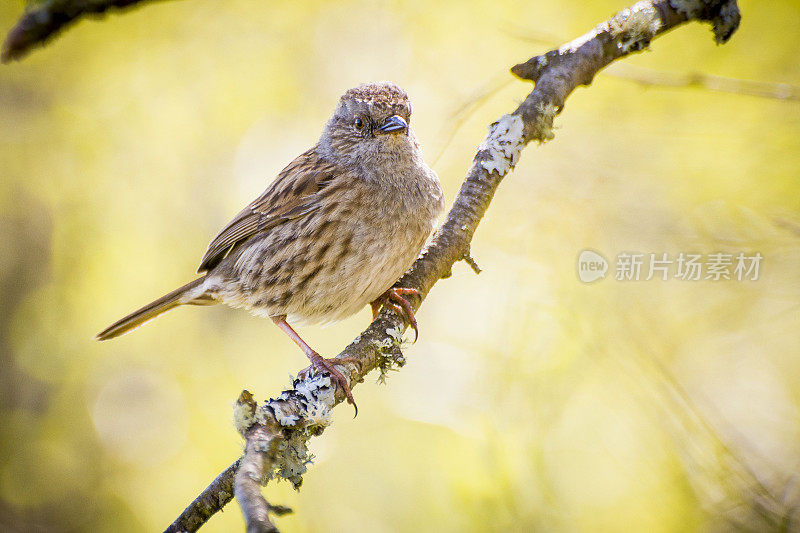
358, 123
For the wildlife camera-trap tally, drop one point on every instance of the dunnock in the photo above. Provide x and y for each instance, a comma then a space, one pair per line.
334, 231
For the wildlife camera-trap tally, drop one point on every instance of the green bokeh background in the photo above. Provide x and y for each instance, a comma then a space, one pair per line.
532, 401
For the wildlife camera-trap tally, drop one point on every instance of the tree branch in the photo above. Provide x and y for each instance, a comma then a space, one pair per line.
211, 500
262, 448
44, 20
277, 431
648, 77
262, 444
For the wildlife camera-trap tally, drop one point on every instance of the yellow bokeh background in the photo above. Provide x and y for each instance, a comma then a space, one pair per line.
532, 401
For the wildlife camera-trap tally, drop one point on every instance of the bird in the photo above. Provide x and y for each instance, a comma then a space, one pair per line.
333, 232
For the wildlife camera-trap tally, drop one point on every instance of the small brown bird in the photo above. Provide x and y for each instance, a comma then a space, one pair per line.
332, 233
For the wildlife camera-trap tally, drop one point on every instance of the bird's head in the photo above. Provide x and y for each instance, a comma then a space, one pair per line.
371, 126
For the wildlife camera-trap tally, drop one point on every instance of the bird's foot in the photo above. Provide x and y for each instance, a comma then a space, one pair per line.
395, 300
329, 365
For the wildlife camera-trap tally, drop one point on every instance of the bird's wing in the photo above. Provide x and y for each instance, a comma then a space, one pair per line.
293, 194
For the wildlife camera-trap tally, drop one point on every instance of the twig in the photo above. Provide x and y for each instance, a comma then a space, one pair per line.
262, 445
279, 429
211, 500
460, 115
44, 20
648, 77
467, 258
760, 89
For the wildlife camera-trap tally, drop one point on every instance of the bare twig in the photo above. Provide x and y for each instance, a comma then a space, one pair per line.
278, 430
658, 78
44, 20
467, 258
460, 115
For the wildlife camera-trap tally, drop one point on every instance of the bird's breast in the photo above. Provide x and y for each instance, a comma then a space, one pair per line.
332, 262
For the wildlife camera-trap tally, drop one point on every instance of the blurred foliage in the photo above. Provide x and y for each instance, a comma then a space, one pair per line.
531, 402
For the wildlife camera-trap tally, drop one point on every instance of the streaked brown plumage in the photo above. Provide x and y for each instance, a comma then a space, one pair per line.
334, 231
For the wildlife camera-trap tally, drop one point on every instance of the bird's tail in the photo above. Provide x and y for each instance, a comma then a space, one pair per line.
191, 293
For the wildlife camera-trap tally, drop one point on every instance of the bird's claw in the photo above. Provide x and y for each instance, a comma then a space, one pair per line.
395, 299
329, 365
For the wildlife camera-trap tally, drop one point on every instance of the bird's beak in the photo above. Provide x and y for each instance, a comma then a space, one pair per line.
393, 124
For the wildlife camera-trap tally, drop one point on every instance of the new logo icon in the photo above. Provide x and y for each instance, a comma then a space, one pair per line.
591, 266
